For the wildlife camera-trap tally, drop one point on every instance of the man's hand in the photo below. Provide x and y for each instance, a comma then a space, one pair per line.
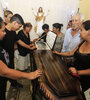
35, 74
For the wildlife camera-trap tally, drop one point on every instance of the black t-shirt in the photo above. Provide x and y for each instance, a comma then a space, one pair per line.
4, 56
8, 43
22, 50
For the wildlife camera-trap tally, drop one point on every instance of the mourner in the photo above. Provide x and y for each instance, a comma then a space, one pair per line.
5, 71
81, 53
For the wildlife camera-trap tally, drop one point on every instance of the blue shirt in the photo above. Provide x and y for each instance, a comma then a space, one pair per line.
70, 42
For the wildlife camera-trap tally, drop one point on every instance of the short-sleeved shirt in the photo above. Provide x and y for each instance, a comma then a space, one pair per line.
22, 50
70, 42
4, 57
8, 43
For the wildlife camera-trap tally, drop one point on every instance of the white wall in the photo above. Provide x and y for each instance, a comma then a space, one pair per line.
60, 10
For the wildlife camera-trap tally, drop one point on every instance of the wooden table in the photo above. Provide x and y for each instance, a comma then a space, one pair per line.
55, 83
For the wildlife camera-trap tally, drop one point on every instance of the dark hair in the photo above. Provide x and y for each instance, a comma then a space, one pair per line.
45, 26
70, 21
7, 12
1, 22
57, 25
27, 25
86, 25
41, 9
17, 18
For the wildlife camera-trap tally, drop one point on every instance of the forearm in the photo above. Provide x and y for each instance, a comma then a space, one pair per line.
65, 54
23, 44
14, 74
84, 72
11, 73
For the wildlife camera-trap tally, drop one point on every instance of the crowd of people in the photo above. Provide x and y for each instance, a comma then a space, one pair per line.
8, 38
75, 42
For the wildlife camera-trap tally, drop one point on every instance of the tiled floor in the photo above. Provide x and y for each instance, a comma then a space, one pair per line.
24, 93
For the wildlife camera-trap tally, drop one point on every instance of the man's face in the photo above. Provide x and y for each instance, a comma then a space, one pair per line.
76, 22
7, 19
2, 32
16, 26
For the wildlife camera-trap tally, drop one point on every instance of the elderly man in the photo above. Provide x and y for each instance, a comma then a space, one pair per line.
72, 36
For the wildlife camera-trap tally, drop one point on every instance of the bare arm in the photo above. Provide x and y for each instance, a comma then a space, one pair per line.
84, 72
14, 74
71, 53
79, 72
31, 47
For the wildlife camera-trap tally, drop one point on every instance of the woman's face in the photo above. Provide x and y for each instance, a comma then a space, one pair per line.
7, 19
28, 29
55, 30
84, 33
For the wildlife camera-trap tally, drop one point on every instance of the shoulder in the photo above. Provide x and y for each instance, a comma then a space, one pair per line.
51, 33
68, 33
13, 33
81, 43
20, 32
69, 30
43, 33
7, 31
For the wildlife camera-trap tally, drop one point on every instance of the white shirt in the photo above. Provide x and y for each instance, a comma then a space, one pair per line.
70, 42
50, 39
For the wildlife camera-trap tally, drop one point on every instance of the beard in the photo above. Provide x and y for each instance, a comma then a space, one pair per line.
74, 27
